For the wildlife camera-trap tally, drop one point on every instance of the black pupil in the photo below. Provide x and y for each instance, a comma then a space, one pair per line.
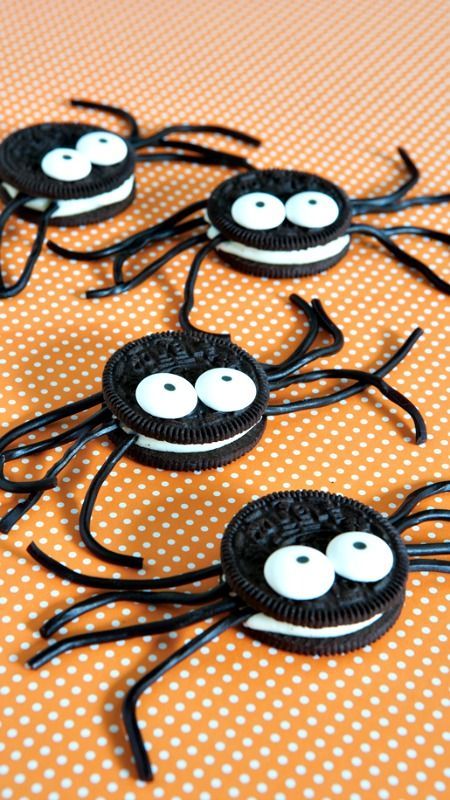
302, 559
170, 387
312, 202
359, 545
103, 141
226, 378
67, 158
260, 204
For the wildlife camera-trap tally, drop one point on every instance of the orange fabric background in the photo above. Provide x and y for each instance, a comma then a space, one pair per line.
331, 88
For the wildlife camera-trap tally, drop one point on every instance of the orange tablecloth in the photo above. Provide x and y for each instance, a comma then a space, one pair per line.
332, 88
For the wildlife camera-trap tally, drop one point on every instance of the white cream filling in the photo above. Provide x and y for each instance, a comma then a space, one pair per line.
173, 447
309, 255
80, 205
261, 622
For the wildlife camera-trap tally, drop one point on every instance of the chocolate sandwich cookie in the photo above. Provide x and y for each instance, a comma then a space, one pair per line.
309, 572
274, 223
192, 401
280, 223
72, 174
324, 573
88, 172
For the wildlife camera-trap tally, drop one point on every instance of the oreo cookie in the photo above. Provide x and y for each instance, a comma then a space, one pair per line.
194, 401
280, 223
324, 574
86, 170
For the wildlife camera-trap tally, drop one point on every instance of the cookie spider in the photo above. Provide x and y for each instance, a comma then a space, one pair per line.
305, 571
71, 173
187, 401
274, 223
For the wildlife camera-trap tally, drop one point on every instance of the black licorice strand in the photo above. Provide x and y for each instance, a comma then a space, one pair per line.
85, 606
132, 243
25, 428
129, 632
129, 708
97, 549
14, 288
64, 572
363, 379
86, 435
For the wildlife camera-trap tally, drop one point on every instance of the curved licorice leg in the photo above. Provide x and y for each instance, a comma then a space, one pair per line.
89, 604
21, 282
383, 236
132, 243
422, 516
186, 128
362, 379
49, 418
221, 160
147, 272
129, 632
118, 112
189, 287
161, 235
359, 205
129, 708
88, 506
286, 367
202, 155
416, 496
96, 582
84, 435
428, 565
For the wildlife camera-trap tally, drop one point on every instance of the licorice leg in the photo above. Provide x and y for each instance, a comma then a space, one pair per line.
147, 272
429, 548
422, 516
96, 582
129, 632
19, 285
118, 112
359, 205
363, 379
132, 243
276, 371
86, 434
88, 604
129, 708
383, 236
27, 427
99, 550
429, 565
189, 287
414, 497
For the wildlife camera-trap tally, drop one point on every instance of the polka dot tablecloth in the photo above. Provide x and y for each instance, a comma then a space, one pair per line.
332, 88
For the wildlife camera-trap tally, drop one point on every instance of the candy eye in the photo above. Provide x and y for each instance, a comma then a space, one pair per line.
166, 396
360, 556
258, 211
65, 164
299, 572
225, 389
103, 148
312, 209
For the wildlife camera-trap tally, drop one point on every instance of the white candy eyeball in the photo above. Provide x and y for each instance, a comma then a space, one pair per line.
360, 556
225, 389
299, 572
166, 396
103, 148
312, 209
65, 164
258, 211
